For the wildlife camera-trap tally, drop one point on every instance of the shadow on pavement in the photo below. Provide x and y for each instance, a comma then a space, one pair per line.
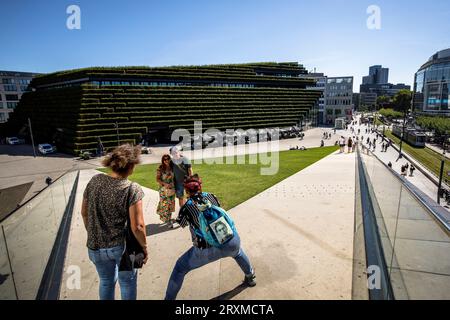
152, 229
232, 293
10, 198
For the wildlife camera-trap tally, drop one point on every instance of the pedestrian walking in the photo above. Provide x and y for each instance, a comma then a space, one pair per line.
390, 164
403, 170
342, 144
350, 144
411, 170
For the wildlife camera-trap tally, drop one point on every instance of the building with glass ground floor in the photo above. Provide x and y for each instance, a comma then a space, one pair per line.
431, 86
75, 108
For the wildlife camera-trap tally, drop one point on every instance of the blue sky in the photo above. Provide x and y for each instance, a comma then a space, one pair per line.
329, 35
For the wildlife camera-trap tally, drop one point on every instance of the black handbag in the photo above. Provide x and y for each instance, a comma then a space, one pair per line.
133, 255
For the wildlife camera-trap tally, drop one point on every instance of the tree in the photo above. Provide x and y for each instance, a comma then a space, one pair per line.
390, 113
383, 101
402, 100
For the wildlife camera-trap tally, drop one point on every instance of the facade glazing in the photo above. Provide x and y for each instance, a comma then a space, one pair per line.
431, 85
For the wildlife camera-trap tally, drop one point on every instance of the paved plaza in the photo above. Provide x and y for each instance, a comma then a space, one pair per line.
298, 234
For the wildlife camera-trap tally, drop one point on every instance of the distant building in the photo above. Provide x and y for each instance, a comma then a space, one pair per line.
377, 84
377, 75
321, 83
364, 100
12, 85
356, 101
388, 89
338, 99
431, 86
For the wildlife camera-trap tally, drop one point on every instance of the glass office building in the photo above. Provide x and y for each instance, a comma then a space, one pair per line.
431, 86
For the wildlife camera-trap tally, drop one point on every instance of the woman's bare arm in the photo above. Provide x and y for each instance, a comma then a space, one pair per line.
137, 225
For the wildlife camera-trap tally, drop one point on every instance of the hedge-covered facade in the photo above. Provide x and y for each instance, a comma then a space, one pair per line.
73, 108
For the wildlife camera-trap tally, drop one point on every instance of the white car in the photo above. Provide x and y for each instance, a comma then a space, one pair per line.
13, 140
46, 148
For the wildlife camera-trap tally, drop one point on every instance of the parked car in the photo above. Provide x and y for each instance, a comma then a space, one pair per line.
13, 140
46, 148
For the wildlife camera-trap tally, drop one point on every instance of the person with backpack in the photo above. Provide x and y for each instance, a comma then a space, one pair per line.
214, 236
182, 169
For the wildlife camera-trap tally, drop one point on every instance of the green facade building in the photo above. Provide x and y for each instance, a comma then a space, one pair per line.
74, 108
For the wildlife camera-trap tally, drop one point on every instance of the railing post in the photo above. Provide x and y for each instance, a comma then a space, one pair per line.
440, 181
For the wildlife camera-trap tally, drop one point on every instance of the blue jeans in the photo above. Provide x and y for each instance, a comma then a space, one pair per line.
195, 258
179, 189
107, 263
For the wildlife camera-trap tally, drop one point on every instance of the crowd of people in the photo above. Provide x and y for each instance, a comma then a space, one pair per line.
112, 204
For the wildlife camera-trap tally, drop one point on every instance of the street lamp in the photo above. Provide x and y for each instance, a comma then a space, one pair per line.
403, 134
32, 138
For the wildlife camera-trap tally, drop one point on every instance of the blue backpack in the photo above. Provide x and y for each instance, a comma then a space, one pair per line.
216, 226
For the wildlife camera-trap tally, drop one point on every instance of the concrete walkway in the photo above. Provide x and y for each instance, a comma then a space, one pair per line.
418, 179
298, 234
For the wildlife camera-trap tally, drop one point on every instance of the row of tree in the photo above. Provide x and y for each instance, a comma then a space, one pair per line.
400, 102
439, 125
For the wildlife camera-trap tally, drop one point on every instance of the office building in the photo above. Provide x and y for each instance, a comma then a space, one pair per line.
12, 85
338, 99
431, 86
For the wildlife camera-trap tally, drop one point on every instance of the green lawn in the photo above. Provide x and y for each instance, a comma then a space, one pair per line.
429, 158
235, 183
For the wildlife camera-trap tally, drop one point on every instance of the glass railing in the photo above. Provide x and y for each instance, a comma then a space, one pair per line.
410, 235
28, 238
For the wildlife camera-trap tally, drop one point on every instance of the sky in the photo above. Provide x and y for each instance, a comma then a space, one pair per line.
331, 36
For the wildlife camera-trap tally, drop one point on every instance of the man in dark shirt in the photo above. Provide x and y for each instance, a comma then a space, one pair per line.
182, 169
201, 253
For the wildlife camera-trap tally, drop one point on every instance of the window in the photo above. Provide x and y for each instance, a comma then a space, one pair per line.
8, 80
11, 105
12, 97
24, 82
10, 87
